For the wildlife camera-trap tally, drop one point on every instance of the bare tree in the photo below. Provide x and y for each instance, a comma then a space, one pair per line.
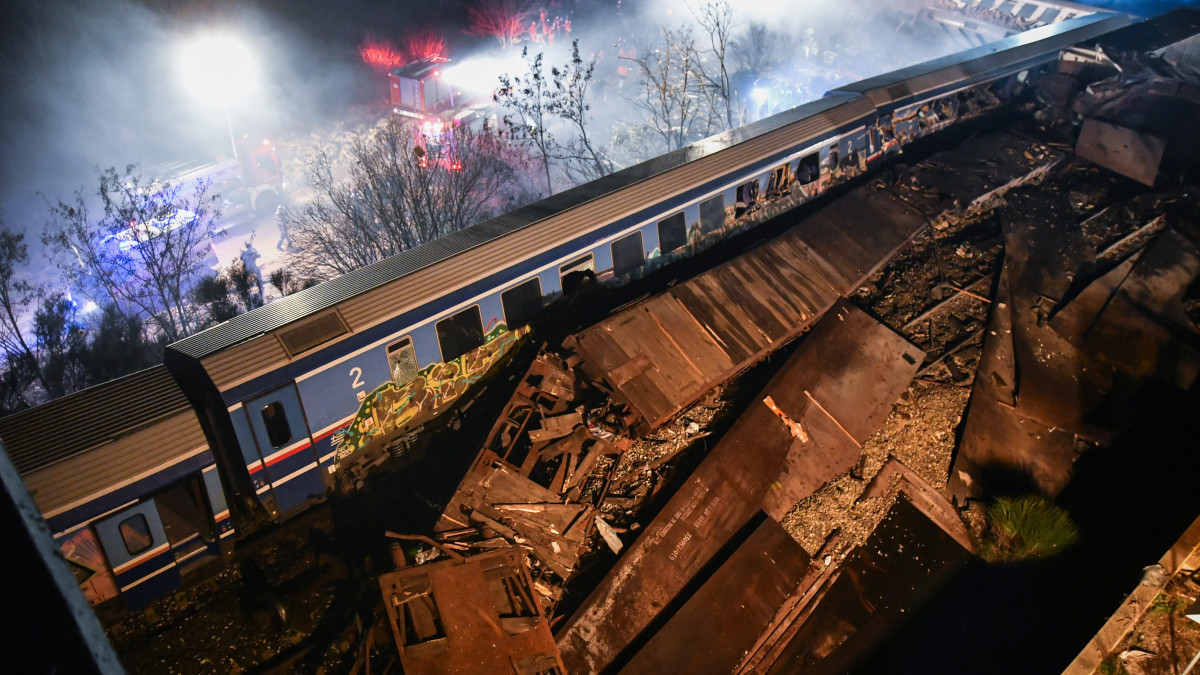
716, 20
754, 51
669, 91
403, 187
424, 43
582, 159
529, 100
61, 346
16, 295
143, 252
501, 19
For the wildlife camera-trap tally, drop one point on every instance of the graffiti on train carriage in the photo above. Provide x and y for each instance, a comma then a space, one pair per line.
392, 407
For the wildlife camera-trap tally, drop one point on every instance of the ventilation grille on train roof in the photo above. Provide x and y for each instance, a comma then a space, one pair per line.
317, 331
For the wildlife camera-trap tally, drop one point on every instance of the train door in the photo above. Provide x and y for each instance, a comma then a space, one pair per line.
285, 450
188, 523
136, 545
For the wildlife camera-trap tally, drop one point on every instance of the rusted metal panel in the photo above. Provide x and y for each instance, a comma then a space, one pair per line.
995, 437
901, 564
744, 593
1139, 329
473, 615
856, 368
1128, 152
663, 354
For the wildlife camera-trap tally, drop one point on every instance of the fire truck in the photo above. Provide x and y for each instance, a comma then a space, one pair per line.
252, 181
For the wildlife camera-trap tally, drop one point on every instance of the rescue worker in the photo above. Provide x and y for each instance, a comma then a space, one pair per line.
281, 220
250, 258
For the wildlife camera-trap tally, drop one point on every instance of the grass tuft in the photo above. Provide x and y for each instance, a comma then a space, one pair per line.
1025, 528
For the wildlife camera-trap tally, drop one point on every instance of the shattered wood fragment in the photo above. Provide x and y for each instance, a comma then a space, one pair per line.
556, 427
498, 527
608, 535
538, 508
560, 477
572, 443
569, 461
582, 470
795, 428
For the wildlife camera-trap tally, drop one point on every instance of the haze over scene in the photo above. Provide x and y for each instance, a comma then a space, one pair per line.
94, 83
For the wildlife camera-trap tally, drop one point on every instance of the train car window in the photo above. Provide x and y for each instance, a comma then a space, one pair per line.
747, 194
672, 232
522, 302
460, 333
279, 432
808, 169
576, 272
834, 159
627, 254
402, 361
712, 214
780, 180
135, 532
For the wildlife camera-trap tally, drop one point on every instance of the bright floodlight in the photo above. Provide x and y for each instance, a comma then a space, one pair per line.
219, 68
759, 94
482, 74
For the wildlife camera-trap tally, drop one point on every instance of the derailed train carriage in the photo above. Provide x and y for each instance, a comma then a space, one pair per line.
268, 411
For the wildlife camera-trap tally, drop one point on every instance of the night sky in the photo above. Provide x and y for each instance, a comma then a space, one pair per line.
93, 82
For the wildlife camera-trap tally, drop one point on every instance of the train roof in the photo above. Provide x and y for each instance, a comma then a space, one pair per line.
898, 85
51, 432
305, 303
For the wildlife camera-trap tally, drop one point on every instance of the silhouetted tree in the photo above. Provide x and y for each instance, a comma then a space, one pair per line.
116, 346
402, 189
287, 282
581, 157
143, 250
716, 20
16, 295
501, 19
529, 100
61, 341
755, 50
670, 91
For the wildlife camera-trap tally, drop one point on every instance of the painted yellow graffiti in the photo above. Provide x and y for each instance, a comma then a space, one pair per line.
391, 408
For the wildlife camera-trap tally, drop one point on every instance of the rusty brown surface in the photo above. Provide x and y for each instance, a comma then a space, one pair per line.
1143, 328
664, 353
902, 563
856, 368
477, 615
1128, 152
998, 443
715, 627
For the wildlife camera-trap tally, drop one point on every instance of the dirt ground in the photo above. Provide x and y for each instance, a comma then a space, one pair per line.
1164, 640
